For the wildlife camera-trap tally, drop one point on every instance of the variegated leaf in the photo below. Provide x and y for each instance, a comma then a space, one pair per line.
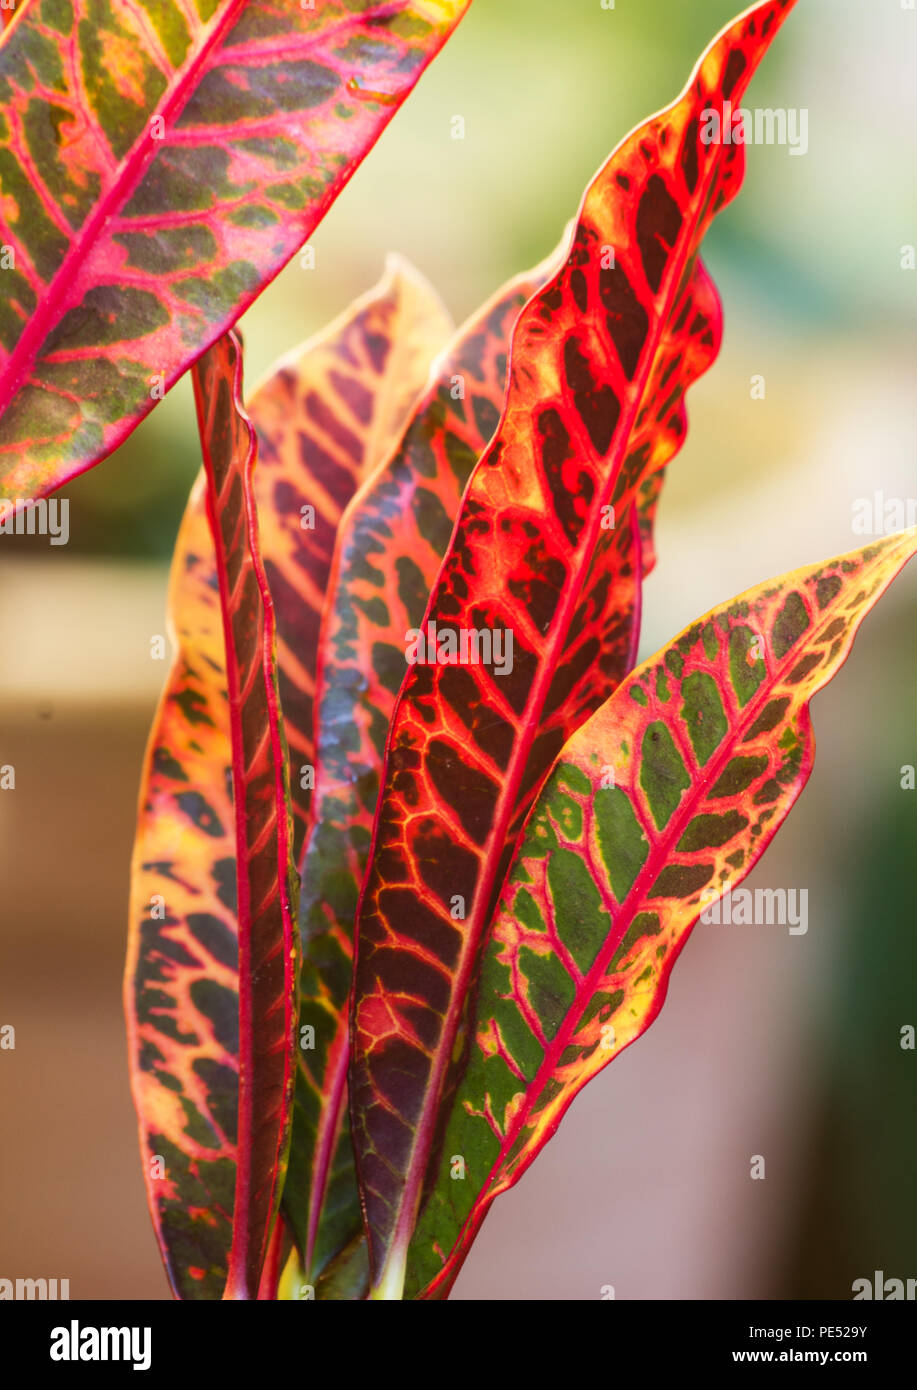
159, 162
266, 880
181, 978
327, 416
664, 800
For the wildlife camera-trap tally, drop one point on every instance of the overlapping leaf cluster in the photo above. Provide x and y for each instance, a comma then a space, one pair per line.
389, 915
500, 860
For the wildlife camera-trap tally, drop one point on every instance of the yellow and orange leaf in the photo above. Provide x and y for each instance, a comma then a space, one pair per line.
181, 977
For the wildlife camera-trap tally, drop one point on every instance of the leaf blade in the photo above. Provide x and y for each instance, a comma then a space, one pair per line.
636, 850
266, 888
183, 1049
191, 156
327, 417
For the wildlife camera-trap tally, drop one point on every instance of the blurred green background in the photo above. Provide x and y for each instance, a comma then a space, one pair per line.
786, 1047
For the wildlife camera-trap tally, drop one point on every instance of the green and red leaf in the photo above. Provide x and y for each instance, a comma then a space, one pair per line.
665, 798
601, 359
326, 416
390, 545
266, 880
159, 164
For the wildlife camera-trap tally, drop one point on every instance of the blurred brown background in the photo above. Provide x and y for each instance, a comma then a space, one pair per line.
770, 1044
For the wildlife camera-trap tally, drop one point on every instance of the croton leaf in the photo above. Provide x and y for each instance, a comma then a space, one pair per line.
181, 977
601, 358
159, 163
325, 417
663, 800
266, 880
390, 545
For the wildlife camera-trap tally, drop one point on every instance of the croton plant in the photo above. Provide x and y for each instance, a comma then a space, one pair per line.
418, 840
